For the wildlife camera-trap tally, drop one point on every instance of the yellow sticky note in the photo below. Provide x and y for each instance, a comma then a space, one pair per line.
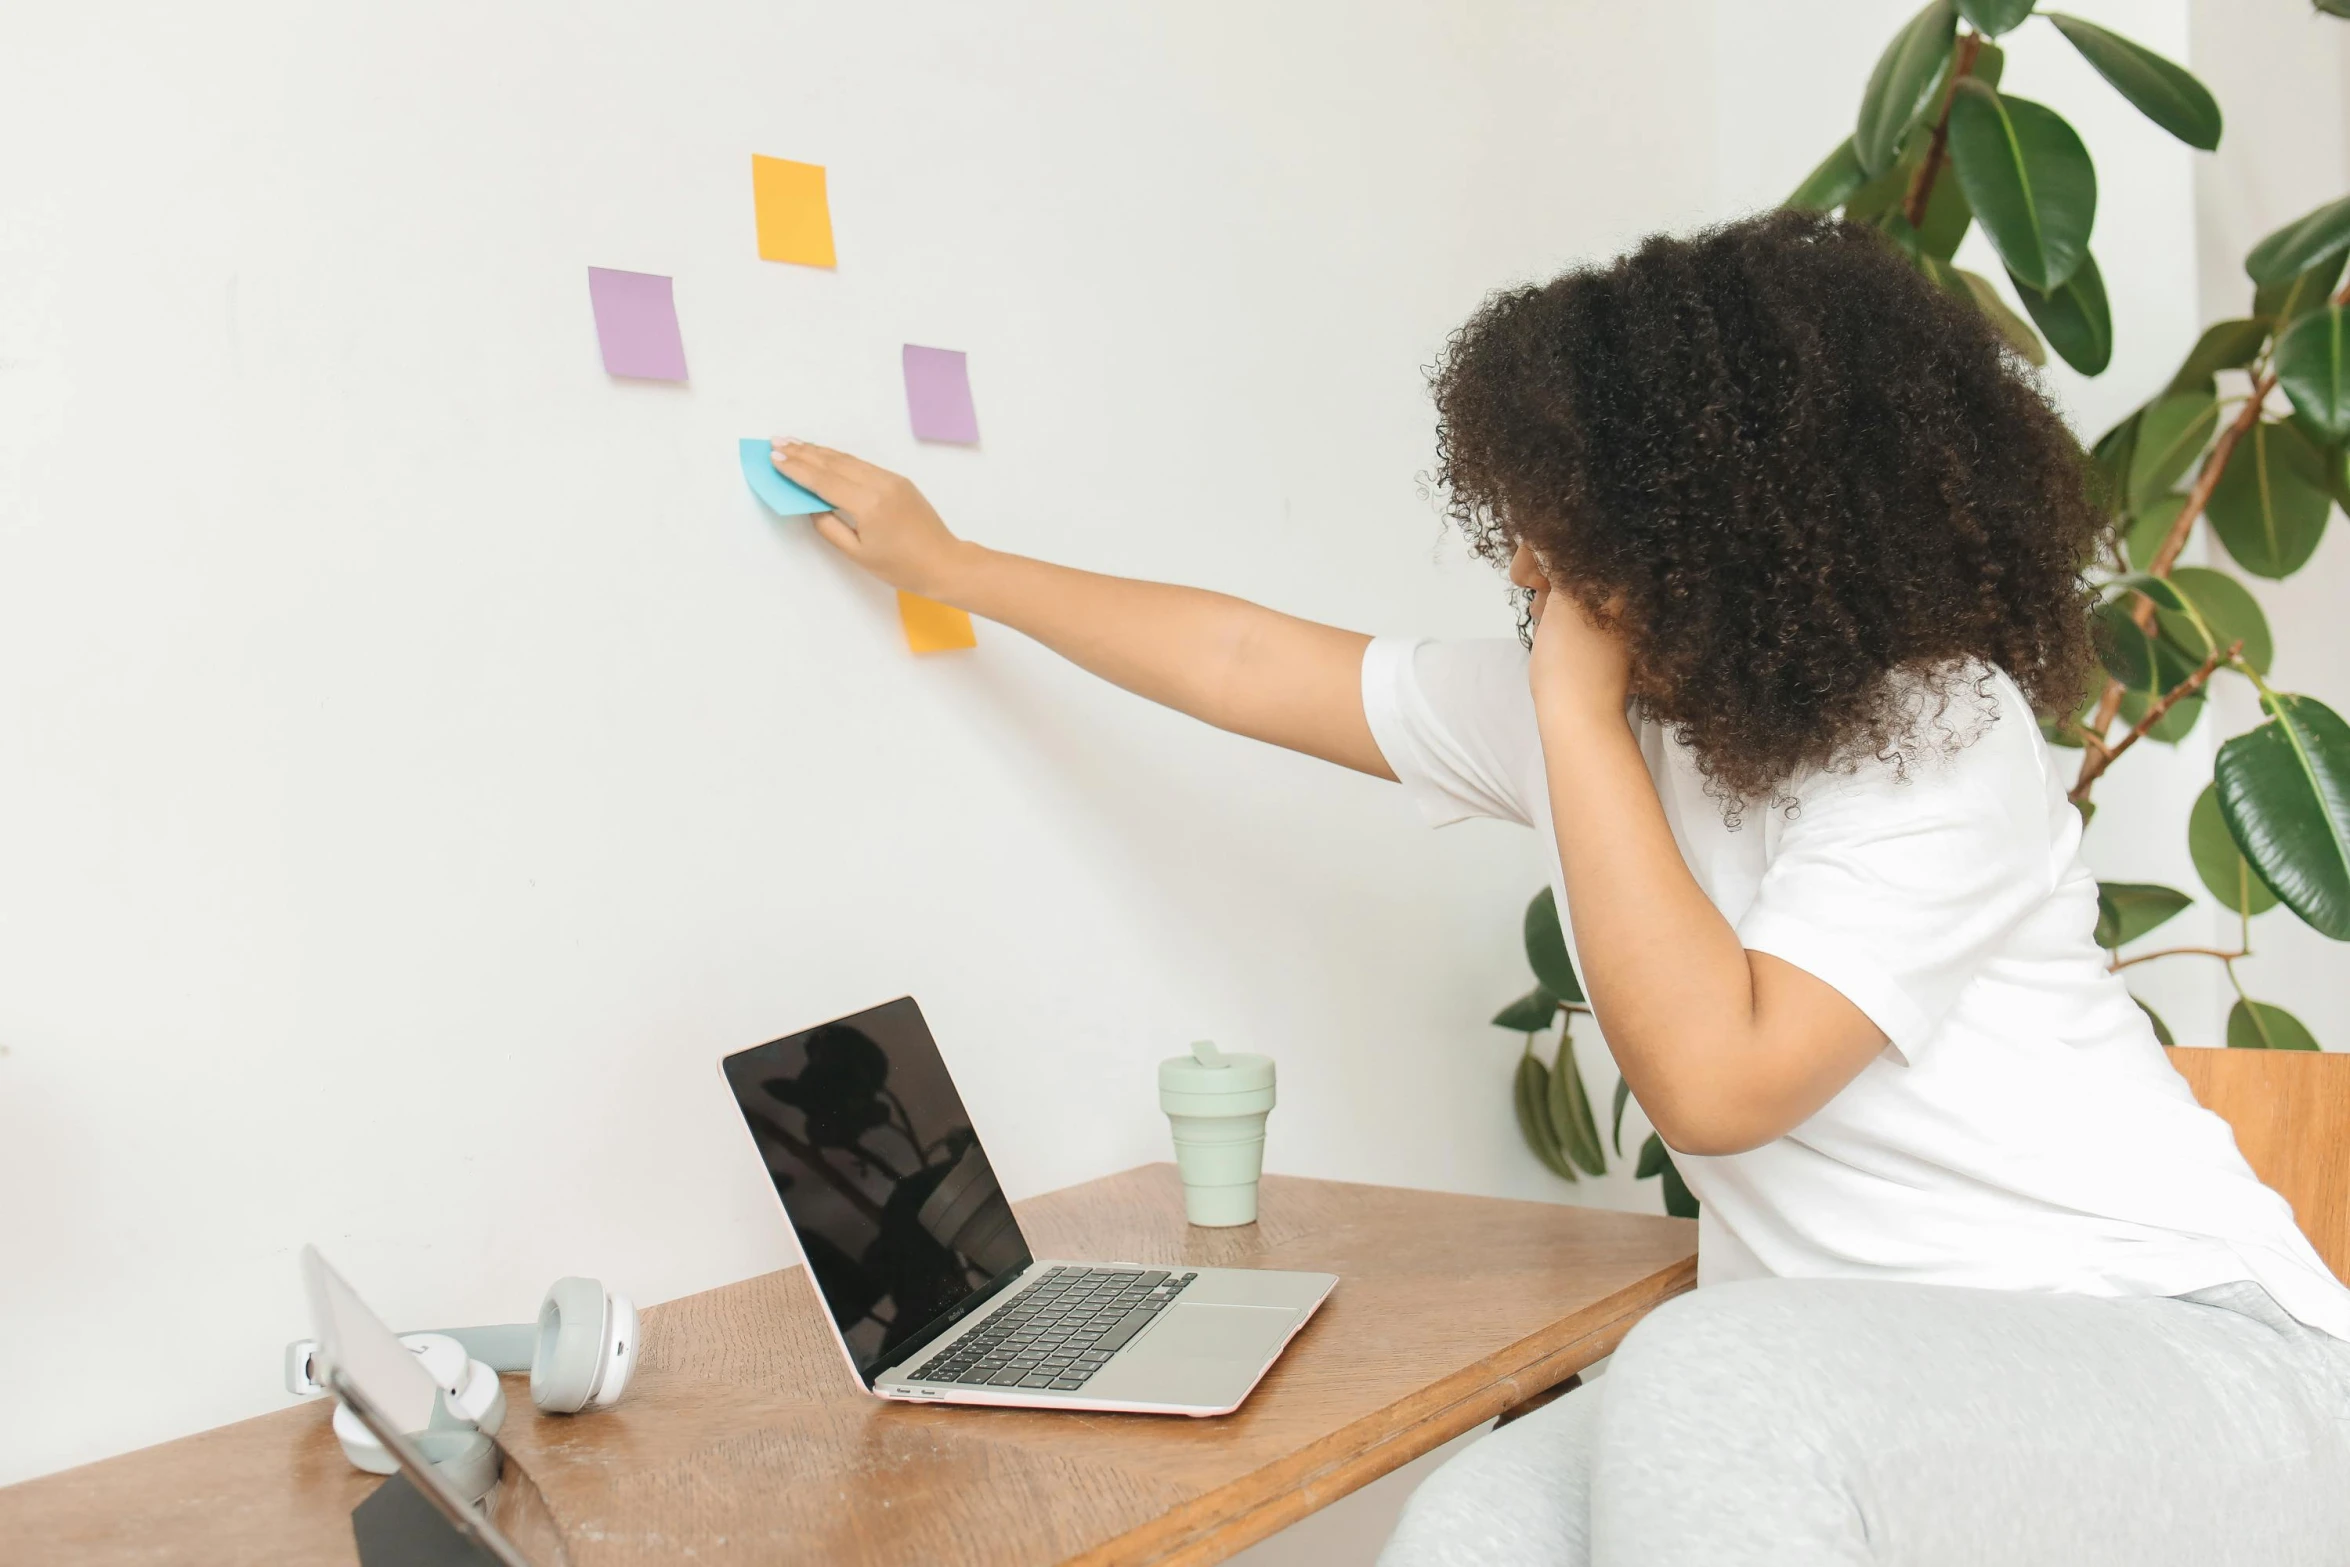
795, 219
932, 627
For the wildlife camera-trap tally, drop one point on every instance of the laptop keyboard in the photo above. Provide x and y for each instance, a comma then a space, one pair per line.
1059, 1331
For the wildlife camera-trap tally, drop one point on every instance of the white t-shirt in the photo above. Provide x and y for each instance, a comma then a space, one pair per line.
2023, 1130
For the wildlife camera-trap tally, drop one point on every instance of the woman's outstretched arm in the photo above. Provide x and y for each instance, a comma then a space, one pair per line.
1234, 664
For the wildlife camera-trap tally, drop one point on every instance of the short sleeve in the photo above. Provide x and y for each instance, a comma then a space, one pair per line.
1455, 720
1896, 887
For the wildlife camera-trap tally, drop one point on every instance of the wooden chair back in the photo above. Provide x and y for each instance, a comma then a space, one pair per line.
2291, 1113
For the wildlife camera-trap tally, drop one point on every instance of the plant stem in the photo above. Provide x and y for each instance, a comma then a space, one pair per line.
2099, 722
2096, 756
1921, 184
2096, 762
2230, 965
2118, 964
2207, 481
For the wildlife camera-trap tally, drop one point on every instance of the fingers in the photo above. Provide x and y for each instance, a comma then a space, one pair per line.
836, 533
851, 486
823, 459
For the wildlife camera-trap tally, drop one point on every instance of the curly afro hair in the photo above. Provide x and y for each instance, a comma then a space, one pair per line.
1787, 468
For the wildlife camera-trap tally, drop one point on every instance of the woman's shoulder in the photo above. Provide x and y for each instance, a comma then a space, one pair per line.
1474, 680
1962, 725
1455, 720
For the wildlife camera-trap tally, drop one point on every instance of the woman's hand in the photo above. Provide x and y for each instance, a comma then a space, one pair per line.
878, 519
1575, 659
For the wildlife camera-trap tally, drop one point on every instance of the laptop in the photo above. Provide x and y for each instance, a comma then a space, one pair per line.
933, 1291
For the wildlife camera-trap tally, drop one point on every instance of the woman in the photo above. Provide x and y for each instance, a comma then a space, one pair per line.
1979, 1280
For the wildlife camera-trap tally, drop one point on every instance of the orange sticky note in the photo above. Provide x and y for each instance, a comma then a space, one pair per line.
795, 219
932, 627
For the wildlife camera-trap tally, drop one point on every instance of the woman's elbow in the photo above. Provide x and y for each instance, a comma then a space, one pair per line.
1712, 1126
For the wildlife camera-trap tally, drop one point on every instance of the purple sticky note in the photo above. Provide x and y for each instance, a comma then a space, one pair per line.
636, 323
938, 395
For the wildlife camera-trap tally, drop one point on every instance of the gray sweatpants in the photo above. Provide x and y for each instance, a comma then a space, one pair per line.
1826, 1421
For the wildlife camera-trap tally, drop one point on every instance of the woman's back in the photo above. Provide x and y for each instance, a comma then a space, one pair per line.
2022, 1129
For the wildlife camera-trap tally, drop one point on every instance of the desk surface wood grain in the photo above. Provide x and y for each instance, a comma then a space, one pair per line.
746, 1440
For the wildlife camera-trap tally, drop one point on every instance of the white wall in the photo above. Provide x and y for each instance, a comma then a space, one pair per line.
420, 760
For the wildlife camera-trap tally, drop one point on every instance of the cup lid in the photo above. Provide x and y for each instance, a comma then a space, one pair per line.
1208, 1070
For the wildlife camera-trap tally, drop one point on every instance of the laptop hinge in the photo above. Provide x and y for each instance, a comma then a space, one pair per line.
912, 1349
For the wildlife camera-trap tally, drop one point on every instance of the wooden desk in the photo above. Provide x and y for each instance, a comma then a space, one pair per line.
745, 1440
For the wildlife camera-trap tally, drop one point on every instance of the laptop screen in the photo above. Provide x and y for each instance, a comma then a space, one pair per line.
884, 1181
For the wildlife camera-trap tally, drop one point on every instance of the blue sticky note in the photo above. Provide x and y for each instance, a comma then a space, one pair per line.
781, 496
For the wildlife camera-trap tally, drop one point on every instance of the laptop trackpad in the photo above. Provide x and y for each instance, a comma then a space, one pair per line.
1231, 1333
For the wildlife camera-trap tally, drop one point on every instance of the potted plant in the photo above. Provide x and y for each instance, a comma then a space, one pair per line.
2249, 441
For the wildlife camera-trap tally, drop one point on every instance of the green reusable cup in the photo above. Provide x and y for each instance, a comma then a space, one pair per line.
1217, 1104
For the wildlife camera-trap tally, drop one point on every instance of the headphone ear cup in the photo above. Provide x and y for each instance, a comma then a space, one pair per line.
619, 1353
360, 1446
573, 1324
483, 1399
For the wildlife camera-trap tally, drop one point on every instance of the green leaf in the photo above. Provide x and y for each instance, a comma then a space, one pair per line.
2255, 1025
2301, 244
2057, 732
2164, 93
2220, 863
2009, 325
2313, 366
2126, 650
2161, 1029
2279, 303
2172, 433
1827, 187
2225, 345
2157, 589
1900, 85
2029, 180
1885, 191
1680, 1201
1569, 1107
1990, 61
2127, 910
2284, 789
2337, 464
1530, 1013
2225, 607
1623, 1098
1546, 949
1993, 17
2110, 464
1947, 219
2269, 508
2074, 318
1653, 1158
1529, 1096
2150, 528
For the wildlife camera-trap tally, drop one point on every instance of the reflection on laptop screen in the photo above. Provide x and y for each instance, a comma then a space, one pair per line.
897, 1211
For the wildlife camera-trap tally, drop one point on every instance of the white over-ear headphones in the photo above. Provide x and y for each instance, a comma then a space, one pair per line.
580, 1354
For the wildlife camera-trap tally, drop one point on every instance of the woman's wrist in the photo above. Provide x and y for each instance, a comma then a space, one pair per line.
955, 576
1577, 706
